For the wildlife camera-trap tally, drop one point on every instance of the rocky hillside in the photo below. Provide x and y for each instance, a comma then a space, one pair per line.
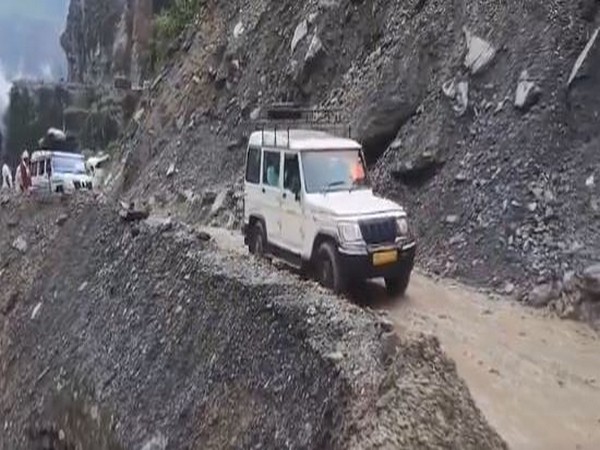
481, 118
124, 335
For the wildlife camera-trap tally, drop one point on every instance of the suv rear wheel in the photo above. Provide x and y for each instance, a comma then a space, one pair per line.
397, 286
328, 268
258, 239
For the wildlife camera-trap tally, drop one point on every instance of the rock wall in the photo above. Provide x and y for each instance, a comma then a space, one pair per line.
126, 334
108, 39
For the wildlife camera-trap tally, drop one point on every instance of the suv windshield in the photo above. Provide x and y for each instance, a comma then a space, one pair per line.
72, 165
334, 170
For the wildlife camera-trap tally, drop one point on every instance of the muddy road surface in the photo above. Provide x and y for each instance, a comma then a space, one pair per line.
535, 377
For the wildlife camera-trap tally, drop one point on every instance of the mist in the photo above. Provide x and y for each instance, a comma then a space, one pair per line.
5, 85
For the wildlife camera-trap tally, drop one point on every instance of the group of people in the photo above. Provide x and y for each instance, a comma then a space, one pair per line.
22, 180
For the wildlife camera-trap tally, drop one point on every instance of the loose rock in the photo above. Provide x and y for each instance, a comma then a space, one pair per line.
299, 33
20, 244
528, 93
314, 49
480, 53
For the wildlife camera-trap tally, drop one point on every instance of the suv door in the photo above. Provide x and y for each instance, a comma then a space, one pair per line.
35, 176
252, 184
292, 230
271, 190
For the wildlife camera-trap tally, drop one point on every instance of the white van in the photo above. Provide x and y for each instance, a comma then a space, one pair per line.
307, 200
59, 172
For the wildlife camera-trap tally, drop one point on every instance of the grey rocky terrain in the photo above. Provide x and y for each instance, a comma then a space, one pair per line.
483, 125
134, 332
480, 117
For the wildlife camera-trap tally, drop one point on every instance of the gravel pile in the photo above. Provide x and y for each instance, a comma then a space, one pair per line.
142, 335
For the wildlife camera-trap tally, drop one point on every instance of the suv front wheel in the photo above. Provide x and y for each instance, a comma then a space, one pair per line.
397, 286
258, 239
328, 268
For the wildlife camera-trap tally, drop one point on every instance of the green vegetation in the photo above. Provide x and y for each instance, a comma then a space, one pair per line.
169, 24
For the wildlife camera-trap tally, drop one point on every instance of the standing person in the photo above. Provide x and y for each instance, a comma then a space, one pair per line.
23, 175
7, 181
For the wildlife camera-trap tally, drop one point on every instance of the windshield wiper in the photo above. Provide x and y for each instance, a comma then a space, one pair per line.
332, 185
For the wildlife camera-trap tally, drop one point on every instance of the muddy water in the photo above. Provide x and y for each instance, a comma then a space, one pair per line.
535, 377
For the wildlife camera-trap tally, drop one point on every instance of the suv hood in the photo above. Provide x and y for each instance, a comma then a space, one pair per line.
356, 203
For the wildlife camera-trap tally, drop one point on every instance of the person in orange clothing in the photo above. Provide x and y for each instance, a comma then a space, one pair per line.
358, 172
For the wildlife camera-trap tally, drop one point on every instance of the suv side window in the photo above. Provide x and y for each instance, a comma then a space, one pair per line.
291, 173
271, 168
253, 165
48, 167
42, 167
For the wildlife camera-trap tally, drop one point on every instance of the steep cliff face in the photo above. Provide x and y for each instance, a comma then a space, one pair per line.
104, 39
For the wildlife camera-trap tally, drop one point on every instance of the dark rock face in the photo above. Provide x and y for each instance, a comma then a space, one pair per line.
104, 39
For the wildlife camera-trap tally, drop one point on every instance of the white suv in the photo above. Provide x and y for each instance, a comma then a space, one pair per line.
307, 200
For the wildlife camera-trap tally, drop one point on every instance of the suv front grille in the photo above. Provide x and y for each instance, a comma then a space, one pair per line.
378, 231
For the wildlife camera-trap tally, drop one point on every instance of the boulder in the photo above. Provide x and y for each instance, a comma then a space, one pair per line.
380, 122
415, 169
528, 92
299, 33
459, 94
480, 53
238, 30
171, 170
20, 244
589, 282
314, 49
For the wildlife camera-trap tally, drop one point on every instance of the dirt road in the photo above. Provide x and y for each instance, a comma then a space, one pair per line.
535, 377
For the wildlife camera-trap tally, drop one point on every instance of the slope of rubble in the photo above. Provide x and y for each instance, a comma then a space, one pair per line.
480, 117
133, 334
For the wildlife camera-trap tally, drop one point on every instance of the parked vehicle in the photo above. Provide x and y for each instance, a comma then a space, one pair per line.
59, 172
308, 201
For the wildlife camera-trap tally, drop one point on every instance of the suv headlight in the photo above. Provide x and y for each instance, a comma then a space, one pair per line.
349, 232
402, 226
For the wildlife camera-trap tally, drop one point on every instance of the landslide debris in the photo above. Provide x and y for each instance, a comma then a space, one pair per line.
143, 335
479, 111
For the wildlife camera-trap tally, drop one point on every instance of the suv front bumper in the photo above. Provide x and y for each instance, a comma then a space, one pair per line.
359, 262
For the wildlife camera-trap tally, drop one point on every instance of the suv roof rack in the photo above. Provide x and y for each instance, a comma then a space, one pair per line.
285, 116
